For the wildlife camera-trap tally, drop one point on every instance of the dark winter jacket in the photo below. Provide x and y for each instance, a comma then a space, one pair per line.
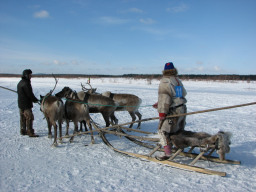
26, 96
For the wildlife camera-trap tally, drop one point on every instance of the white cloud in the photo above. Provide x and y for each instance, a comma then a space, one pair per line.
180, 8
135, 10
153, 31
41, 14
113, 20
217, 68
57, 62
202, 68
147, 21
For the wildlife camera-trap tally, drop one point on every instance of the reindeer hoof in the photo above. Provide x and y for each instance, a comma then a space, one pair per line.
71, 139
49, 136
54, 144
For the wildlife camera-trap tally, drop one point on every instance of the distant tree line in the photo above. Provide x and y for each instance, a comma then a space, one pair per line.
149, 76
220, 77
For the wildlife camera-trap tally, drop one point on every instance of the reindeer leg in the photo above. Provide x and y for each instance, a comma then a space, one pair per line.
74, 132
85, 126
114, 120
81, 126
76, 127
60, 131
106, 118
67, 127
49, 128
55, 135
90, 127
132, 114
139, 116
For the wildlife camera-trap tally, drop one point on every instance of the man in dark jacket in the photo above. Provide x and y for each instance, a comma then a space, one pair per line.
26, 98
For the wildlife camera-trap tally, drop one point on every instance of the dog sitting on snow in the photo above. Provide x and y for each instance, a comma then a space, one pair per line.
221, 141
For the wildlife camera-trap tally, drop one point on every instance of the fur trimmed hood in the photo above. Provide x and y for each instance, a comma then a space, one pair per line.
170, 72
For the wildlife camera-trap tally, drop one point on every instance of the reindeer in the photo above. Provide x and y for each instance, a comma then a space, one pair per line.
75, 111
127, 102
99, 104
53, 110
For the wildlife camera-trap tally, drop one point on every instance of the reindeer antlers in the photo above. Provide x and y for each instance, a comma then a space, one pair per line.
56, 81
84, 88
88, 90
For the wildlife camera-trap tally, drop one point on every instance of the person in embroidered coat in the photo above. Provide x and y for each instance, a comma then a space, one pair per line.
26, 98
171, 101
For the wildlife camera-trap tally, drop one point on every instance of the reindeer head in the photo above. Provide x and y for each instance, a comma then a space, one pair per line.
65, 92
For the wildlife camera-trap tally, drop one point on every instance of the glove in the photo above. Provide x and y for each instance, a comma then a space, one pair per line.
155, 105
162, 116
36, 101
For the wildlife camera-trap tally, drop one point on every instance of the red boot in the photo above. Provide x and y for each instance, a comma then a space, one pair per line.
167, 153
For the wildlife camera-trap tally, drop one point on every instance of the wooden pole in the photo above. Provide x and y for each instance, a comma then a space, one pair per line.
8, 89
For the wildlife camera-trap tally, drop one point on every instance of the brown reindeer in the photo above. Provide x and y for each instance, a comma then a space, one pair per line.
75, 110
126, 102
53, 110
100, 104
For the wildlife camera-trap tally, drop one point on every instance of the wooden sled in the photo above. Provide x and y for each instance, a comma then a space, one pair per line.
178, 152
186, 152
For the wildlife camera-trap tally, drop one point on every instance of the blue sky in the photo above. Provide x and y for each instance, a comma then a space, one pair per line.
128, 36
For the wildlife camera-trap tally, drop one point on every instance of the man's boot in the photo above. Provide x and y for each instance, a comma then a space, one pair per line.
167, 153
23, 132
31, 132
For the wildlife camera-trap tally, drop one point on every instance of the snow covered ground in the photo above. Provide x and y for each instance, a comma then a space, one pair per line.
32, 164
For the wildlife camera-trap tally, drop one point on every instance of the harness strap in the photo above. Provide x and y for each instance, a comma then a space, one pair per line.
177, 81
175, 107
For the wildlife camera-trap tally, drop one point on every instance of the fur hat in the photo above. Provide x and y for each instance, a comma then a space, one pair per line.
25, 73
169, 66
169, 69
